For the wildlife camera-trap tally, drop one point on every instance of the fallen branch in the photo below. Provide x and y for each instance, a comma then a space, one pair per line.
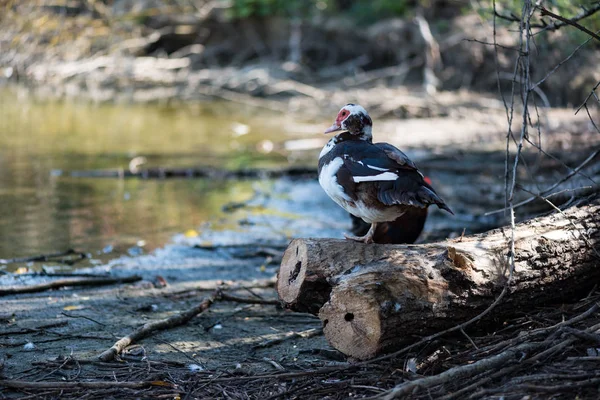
83, 385
289, 335
246, 300
37, 329
462, 372
48, 257
66, 283
150, 327
488, 364
195, 172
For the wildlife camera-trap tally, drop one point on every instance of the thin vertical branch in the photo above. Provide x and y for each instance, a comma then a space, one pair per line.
524, 61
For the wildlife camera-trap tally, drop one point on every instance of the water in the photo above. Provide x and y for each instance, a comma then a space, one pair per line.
41, 212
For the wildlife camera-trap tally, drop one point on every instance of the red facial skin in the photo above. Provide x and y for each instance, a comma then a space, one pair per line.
341, 116
337, 125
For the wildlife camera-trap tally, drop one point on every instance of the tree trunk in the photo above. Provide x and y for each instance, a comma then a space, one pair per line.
375, 298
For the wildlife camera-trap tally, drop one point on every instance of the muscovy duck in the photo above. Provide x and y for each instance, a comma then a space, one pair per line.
404, 229
373, 181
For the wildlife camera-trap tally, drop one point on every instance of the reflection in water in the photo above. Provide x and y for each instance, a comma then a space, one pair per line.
43, 213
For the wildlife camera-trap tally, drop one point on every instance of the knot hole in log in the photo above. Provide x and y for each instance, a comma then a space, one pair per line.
296, 271
455, 268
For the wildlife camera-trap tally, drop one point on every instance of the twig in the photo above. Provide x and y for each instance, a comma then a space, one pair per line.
65, 362
46, 257
83, 317
245, 300
557, 66
554, 389
490, 44
556, 25
274, 363
546, 192
150, 327
588, 97
67, 282
83, 385
198, 172
183, 353
62, 274
289, 335
469, 338
583, 235
528, 336
462, 372
490, 363
571, 21
36, 329
587, 110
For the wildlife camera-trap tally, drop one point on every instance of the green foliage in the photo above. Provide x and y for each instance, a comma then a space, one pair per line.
363, 11
287, 8
369, 11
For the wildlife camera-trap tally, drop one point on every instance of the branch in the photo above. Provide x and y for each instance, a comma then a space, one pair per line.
463, 371
547, 191
48, 257
150, 327
245, 300
67, 282
556, 25
562, 21
82, 385
489, 364
572, 21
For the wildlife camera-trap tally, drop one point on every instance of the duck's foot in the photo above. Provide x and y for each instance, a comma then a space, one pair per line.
368, 238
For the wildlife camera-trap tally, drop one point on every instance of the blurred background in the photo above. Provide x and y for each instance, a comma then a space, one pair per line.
96, 93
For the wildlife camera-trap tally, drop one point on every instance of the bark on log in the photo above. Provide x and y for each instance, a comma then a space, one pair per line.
375, 298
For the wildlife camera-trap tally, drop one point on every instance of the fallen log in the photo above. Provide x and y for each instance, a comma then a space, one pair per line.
376, 298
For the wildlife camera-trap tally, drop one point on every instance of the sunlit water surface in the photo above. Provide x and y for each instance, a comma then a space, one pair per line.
43, 211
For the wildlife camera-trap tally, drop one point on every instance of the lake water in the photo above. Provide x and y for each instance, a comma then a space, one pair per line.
42, 211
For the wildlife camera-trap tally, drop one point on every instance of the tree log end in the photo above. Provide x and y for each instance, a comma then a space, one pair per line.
298, 290
352, 328
292, 271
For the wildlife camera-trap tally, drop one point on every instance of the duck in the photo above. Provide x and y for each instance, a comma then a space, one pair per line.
375, 182
405, 229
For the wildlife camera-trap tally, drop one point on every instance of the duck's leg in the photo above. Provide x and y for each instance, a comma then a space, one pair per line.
368, 238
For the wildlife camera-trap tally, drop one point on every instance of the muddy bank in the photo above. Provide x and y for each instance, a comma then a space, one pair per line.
276, 63
52, 340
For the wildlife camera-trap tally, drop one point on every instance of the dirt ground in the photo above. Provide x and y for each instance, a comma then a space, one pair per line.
241, 350
237, 350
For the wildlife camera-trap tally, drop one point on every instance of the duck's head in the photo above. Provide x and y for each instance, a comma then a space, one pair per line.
354, 119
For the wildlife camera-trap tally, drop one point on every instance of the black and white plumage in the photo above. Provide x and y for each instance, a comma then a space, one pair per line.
373, 181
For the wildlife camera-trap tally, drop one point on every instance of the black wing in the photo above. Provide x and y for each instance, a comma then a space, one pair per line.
396, 155
398, 179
